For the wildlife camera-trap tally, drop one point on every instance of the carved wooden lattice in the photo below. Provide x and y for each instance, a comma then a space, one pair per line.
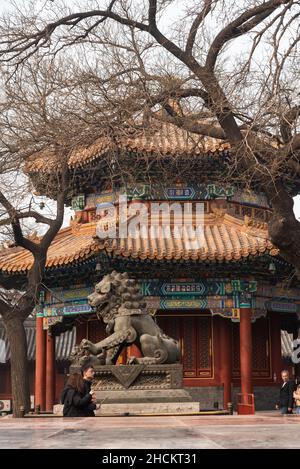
235, 347
260, 345
195, 336
260, 348
170, 326
204, 343
96, 331
80, 332
189, 346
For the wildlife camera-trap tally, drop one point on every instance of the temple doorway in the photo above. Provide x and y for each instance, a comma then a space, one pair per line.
194, 331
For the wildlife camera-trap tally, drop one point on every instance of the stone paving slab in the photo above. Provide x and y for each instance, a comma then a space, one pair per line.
265, 430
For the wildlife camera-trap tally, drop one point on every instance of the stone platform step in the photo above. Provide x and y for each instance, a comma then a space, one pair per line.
141, 408
143, 396
148, 408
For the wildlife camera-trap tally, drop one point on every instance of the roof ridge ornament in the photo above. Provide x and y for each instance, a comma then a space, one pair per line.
75, 222
218, 212
251, 222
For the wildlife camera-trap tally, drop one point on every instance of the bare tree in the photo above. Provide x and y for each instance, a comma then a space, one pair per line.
15, 304
30, 118
230, 68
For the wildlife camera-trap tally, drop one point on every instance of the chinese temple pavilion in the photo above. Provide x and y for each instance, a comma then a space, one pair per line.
226, 299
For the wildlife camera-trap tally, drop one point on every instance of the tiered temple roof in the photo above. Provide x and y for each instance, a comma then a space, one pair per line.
226, 238
158, 138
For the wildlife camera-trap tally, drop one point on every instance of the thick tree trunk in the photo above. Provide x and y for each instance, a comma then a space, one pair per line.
284, 228
19, 365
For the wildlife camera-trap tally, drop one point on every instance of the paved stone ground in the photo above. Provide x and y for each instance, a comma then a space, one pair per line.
263, 430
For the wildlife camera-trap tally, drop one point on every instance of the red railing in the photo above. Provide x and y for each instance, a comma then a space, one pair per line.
245, 404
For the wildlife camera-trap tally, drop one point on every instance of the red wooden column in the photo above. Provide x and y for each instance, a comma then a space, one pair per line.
50, 372
276, 355
226, 358
246, 350
40, 362
246, 398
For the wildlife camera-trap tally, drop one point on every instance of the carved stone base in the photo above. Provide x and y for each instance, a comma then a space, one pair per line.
136, 377
149, 396
138, 408
140, 389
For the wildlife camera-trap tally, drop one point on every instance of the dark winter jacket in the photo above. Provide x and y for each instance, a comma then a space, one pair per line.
87, 389
76, 404
286, 395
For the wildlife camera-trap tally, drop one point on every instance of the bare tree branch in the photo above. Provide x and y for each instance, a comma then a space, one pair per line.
195, 26
287, 120
241, 25
19, 238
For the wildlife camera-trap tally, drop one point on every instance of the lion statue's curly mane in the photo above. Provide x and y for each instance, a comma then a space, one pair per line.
118, 301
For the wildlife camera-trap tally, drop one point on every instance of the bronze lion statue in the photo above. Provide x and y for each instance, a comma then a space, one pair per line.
119, 303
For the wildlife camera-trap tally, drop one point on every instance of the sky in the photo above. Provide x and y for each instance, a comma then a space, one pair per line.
4, 6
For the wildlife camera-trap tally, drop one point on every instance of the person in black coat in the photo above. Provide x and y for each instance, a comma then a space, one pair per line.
77, 402
286, 400
88, 373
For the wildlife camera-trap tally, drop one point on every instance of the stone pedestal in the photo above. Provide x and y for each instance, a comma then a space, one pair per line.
140, 389
136, 377
138, 408
143, 396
